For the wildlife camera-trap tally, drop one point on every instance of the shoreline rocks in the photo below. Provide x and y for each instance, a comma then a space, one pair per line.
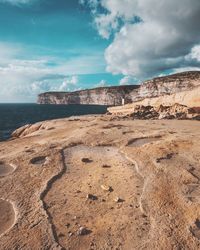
176, 111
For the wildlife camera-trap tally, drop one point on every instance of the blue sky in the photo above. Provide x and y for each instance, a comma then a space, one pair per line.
49, 45
66, 45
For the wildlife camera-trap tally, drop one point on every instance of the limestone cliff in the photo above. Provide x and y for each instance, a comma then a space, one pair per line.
167, 85
190, 98
101, 96
115, 96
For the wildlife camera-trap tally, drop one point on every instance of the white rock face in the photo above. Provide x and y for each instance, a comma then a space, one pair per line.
189, 98
167, 85
120, 95
113, 96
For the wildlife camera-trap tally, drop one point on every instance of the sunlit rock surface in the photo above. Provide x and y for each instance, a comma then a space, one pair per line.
115, 96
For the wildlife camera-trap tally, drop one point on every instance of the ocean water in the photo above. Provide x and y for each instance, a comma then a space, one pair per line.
13, 116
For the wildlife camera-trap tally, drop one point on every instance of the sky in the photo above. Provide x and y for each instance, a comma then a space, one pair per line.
67, 45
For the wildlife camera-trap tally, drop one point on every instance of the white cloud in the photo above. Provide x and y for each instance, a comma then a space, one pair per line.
106, 24
8, 52
127, 80
195, 53
102, 83
69, 83
22, 79
165, 38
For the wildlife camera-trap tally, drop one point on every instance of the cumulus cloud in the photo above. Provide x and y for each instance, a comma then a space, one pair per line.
23, 78
69, 83
150, 36
195, 53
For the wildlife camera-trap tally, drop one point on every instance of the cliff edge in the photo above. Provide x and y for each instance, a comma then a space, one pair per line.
111, 96
119, 95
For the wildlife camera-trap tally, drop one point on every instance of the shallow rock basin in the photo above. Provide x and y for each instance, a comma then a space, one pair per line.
7, 216
5, 169
39, 160
138, 142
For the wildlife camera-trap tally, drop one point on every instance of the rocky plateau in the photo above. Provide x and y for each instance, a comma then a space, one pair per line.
126, 180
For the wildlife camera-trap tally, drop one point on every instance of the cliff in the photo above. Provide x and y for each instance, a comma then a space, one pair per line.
167, 85
190, 98
111, 96
118, 95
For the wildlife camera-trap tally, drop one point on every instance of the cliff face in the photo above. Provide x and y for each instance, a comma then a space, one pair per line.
101, 96
115, 96
190, 98
167, 85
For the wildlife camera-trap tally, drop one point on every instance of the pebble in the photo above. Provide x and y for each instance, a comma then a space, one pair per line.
91, 197
117, 199
82, 231
70, 234
106, 188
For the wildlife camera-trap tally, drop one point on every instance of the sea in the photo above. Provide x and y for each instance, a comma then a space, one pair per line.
13, 116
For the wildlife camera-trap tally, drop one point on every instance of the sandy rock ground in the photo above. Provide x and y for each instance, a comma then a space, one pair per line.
98, 182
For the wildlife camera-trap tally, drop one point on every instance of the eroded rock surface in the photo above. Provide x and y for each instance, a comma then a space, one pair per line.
6, 169
152, 169
7, 216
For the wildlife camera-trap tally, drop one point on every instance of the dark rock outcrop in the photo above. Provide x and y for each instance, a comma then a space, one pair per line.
119, 95
176, 111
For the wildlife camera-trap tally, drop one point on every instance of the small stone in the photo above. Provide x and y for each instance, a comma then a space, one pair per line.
117, 199
83, 231
144, 215
91, 197
70, 234
106, 188
92, 244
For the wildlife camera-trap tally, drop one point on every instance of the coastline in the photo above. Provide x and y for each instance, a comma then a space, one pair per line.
14, 116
